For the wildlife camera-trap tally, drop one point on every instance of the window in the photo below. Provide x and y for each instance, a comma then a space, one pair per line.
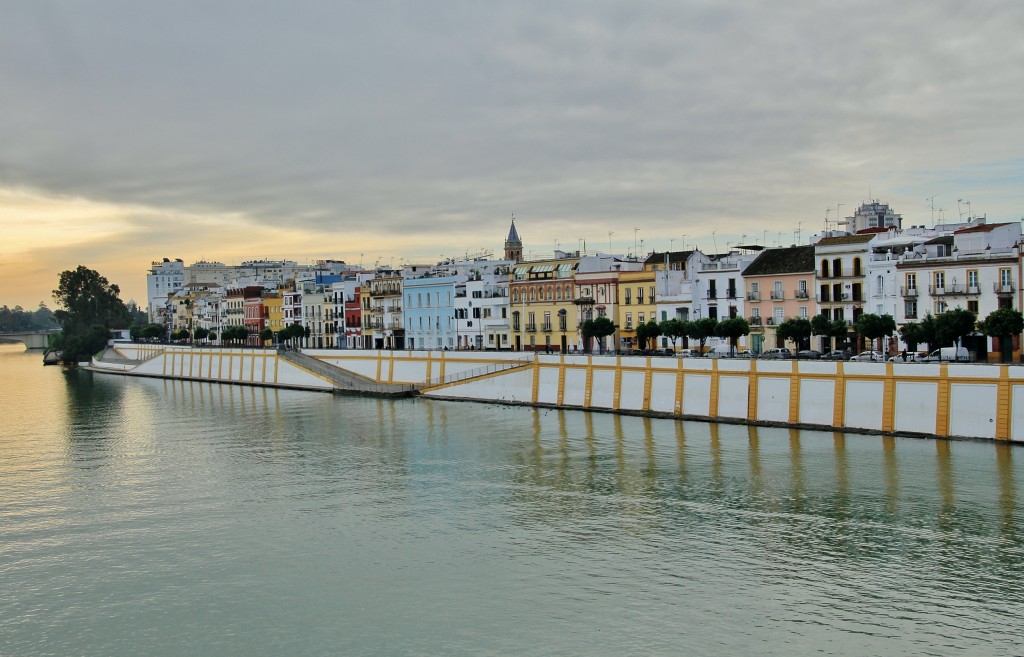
1005, 280
912, 282
780, 316
547, 321
629, 296
880, 286
629, 321
640, 318
824, 268
803, 312
940, 307
940, 280
651, 295
972, 306
972, 279
837, 267
639, 295
801, 289
777, 292
856, 266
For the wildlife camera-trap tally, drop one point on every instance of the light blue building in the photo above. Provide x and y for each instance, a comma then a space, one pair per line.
429, 302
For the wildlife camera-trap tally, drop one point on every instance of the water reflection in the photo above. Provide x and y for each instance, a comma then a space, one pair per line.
398, 526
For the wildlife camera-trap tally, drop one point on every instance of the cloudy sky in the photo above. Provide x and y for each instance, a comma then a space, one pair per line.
381, 131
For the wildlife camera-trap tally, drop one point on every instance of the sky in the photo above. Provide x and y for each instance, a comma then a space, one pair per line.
390, 132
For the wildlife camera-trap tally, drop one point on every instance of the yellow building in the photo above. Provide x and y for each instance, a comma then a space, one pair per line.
273, 302
541, 296
636, 305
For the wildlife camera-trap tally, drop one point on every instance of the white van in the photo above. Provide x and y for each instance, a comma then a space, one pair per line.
959, 354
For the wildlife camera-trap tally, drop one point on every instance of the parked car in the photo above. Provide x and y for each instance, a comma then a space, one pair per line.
947, 354
744, 354
909, 357
870, 357
808, 354
776, 353
687, 353
837, 354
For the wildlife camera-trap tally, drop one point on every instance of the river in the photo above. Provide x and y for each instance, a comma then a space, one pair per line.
151, 517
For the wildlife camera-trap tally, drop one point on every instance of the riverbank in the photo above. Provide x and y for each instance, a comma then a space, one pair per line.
926, 399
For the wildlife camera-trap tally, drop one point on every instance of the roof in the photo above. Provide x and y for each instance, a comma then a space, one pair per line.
875, 230
513, 235
788, 260
673, 256
845, 239
980, 228
941, 239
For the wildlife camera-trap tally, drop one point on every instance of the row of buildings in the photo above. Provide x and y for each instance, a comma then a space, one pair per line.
873, 266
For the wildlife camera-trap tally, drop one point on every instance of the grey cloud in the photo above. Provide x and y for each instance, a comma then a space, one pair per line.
433, 117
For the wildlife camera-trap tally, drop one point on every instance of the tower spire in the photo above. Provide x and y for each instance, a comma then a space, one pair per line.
513, 245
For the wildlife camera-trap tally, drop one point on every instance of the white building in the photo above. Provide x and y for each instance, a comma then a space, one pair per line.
163, 279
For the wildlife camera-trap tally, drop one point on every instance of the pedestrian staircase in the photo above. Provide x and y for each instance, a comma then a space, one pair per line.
346, 382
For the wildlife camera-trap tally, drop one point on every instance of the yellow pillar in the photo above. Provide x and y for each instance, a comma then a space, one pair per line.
1004, 404
680, 378
839, 410
794, 393
889, 398
617, 386
942, 402
752, 385
648, 384
713, 401
589, 386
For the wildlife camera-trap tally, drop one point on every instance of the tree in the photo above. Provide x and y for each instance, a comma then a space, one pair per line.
266, 335
201, 333
798, 330
952, 325
828, 328
647, 331
875, 327
673, 329
930, 332
90, 307
702, 329
598, 328
1003, 323
733, 329
912, 334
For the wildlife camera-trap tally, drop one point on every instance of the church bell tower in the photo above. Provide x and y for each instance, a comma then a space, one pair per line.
513, 245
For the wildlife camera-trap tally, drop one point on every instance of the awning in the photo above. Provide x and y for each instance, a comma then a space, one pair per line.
540, 269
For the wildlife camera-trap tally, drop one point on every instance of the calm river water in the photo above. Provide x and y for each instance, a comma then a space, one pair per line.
148, 517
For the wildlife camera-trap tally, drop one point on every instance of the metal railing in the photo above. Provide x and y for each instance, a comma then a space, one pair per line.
481, 371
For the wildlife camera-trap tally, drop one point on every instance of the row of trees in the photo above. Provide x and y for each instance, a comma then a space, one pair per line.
17, 319
699, 330
229, 335
945, 329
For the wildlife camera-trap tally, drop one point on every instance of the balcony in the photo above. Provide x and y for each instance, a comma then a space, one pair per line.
730, 294
824, 298
800, 294
1003, 288
770, 321
531, 327
778, 296
712, 294
754, 296
908, 291
546, 328
755, 320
